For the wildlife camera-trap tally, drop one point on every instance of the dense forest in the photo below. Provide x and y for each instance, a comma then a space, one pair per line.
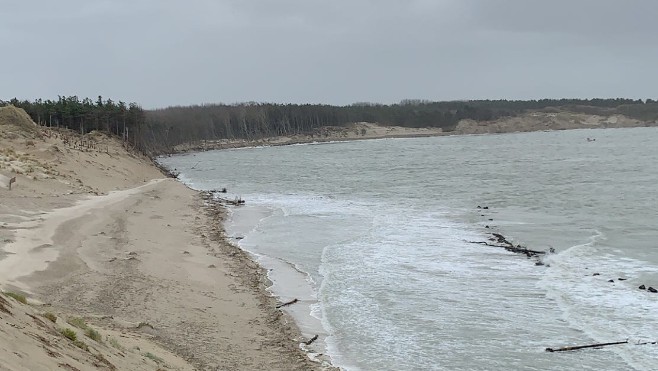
175, 125
157, 131
118, 118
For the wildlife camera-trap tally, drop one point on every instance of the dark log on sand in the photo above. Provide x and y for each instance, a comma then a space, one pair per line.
287, 303
311, 340
236, 202
600, 345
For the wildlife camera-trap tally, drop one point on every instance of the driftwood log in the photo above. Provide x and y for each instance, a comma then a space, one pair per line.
311, 340
236, 202
502, 242
600, 345
287, 303
510, 246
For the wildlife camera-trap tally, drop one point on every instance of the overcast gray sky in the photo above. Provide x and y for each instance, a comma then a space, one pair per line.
166, 52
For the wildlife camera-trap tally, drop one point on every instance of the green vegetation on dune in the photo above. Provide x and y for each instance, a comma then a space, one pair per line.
77, 322
118, 118
93, 335
18, 297
50, 316
153, 357
69, 334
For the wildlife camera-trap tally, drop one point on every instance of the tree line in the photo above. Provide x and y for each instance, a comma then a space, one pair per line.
158, 131
170, 126
118, 118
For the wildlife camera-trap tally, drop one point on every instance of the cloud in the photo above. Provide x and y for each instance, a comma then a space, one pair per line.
162, 52
597, 21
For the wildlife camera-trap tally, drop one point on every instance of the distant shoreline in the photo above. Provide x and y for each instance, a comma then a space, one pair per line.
530, 122
331, 134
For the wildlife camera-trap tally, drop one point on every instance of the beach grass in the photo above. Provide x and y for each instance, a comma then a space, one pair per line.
77, 322
69, 334
153, 357
115, 343
93, 335
18, 297
81, 345
50, 316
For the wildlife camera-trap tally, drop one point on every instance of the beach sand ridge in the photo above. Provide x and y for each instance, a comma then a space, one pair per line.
88, 233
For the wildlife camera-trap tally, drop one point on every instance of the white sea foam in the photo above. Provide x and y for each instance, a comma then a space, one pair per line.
579, 281
380, 230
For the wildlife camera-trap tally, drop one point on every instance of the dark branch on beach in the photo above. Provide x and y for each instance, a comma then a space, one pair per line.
236, 202
600, 345
311, 340
213, 195
287, 303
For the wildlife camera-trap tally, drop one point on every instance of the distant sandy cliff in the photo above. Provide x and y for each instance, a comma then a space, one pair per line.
539, 121
532, 121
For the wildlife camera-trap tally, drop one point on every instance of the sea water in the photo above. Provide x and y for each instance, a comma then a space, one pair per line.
376, 241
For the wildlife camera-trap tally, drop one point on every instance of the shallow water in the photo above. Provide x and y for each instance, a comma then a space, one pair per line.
372, 237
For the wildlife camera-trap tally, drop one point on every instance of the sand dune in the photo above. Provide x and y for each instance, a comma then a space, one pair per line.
97, 233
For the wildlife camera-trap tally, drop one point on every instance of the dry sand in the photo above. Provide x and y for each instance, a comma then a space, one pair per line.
91, 230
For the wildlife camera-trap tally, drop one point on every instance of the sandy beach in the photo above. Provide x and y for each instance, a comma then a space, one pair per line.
92, 231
